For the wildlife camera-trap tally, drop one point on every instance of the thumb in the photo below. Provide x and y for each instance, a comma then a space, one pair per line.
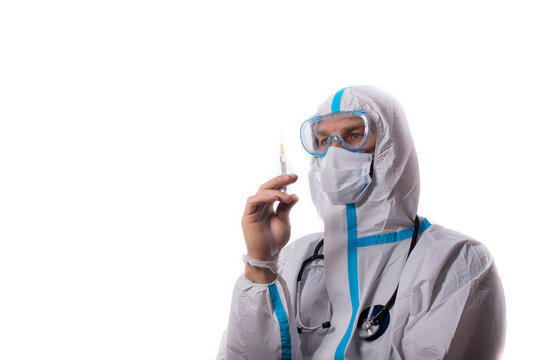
283, 209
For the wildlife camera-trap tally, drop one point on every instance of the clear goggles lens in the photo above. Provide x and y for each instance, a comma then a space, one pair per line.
351, 129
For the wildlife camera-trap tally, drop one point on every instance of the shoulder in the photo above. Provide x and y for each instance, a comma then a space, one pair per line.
446, 246
451, 279
445, 260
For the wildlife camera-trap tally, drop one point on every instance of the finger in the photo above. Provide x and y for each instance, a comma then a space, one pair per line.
279, 181
283, 209
265, 197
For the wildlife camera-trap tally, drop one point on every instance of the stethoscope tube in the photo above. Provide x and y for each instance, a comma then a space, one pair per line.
370, 328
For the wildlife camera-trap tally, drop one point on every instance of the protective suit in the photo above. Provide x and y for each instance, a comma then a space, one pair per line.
449, 302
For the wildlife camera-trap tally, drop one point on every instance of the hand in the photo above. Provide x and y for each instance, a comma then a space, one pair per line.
266, 230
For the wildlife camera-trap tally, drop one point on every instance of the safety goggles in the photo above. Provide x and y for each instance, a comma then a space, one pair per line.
351, 129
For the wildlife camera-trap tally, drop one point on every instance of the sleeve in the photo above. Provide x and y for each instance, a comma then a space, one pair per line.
461, 314
260, 325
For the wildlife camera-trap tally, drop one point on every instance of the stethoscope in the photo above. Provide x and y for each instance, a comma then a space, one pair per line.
301, 327
370, 326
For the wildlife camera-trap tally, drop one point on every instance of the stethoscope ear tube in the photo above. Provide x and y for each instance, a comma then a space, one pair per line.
301, 327
306, 263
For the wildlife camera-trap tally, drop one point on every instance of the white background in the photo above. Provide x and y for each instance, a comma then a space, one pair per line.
132, 132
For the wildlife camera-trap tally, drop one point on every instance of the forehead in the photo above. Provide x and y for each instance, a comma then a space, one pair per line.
338, 124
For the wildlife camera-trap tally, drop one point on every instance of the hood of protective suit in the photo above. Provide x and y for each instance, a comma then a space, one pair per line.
366, 242
389, 203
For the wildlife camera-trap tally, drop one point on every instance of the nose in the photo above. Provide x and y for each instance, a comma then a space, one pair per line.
336, 143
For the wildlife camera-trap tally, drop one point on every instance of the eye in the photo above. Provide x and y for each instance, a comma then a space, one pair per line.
355, 137
320, 141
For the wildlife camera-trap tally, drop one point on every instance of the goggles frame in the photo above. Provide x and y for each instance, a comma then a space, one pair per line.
361, 113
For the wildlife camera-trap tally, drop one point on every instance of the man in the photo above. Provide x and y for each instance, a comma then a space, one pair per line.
391, 285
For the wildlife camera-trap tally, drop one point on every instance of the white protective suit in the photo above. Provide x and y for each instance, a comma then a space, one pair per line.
450, 302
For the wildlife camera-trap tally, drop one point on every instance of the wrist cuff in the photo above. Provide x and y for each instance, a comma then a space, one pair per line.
271, 263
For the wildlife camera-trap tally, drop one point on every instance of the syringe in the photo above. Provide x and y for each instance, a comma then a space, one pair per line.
283, 163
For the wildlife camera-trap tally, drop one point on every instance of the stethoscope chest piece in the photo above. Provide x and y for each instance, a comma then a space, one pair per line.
369, 328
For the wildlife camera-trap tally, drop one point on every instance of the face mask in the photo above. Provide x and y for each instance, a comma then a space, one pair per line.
343, 175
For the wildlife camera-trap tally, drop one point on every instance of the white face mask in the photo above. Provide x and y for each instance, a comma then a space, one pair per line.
343, 175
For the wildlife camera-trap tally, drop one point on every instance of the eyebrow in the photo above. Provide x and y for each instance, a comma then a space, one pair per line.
344, 130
